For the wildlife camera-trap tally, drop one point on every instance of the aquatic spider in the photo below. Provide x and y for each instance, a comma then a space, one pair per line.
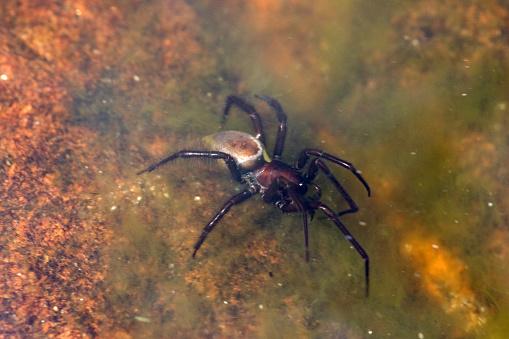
278, 183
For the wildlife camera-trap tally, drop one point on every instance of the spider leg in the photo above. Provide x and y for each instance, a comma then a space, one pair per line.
317, 194
281, 117
296, 198
330, 213
236, 199
317, 164
300, 205
306, 234
228, 159
249, 109
306, 153
306, 237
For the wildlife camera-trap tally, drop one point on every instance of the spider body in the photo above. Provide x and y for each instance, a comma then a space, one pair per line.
273, 176
279, 184
258, 171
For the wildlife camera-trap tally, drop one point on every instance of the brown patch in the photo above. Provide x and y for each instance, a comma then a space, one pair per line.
245, 147
51, 263
444, 278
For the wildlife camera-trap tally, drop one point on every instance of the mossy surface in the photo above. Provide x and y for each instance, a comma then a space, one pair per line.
414, 94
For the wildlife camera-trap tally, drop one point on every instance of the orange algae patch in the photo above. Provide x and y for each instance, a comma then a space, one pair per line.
443, 278
234, 282
225, 280
51, 264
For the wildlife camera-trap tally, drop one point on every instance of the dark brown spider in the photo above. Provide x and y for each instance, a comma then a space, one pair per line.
279, 184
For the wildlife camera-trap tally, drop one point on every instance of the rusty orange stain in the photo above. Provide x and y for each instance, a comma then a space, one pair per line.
49, 269
444, 277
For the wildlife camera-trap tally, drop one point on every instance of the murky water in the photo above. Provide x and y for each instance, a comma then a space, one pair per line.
416, 104
414, 94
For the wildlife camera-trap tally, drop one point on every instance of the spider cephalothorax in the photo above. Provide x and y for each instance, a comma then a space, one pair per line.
284, 186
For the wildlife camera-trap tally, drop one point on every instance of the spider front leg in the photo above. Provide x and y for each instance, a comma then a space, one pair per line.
236, 199
332, 216
281, 131
295, 204
228, 159
250, 110
302, 209
317, 164
306, 153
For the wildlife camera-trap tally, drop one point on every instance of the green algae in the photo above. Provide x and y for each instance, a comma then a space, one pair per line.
413, 118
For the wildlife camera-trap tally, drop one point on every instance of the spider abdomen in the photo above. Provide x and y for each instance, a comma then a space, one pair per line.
247, 151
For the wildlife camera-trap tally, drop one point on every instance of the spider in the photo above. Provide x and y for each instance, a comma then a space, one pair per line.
279, 184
